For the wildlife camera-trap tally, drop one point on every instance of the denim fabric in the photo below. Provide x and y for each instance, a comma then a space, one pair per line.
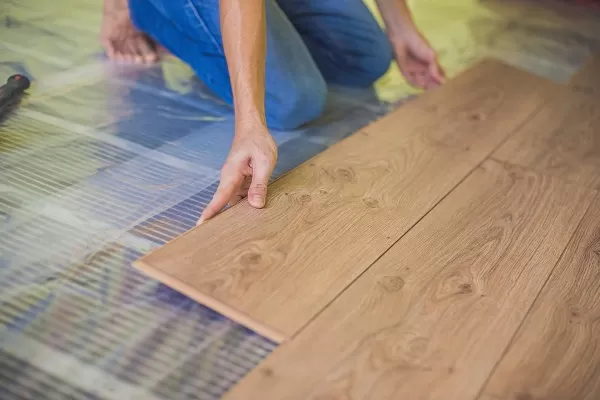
310, 43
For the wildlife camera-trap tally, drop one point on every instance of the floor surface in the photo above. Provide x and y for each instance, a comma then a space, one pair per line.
103, 162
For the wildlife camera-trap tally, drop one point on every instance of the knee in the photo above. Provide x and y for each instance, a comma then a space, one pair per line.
379, 62
363, 67
137, 9
293, 107
374, 64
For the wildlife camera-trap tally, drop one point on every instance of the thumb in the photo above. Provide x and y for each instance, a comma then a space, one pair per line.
421, 48
257, 194
425, 52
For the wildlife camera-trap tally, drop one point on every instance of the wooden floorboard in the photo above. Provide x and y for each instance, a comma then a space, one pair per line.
556, 354
432, 317
587, 79
273, 270
563, 139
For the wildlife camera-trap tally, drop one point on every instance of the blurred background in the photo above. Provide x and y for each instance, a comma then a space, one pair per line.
102, 163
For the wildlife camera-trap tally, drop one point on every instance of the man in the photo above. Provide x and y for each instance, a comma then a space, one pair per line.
272, 60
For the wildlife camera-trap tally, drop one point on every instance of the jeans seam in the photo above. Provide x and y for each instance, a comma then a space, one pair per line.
192, 6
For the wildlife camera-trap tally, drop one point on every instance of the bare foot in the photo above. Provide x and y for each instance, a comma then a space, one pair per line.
121, 40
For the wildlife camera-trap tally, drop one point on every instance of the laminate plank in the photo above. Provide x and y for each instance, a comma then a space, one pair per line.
556, 354
274, 269
431, 318
587, 79
563, 139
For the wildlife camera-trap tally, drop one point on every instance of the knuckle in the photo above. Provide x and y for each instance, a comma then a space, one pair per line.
274, 150
226, 174
269, 155
263, 159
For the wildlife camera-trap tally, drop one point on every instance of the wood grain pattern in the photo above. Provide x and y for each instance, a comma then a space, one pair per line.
587, 79
556, 354
328, 220
563, 139
430, 319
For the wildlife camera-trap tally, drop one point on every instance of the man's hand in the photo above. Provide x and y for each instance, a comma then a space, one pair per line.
253, 153
417, 60
246, 172
415, 57
121, 40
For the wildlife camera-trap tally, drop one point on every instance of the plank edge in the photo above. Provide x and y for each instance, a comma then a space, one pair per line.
210, 302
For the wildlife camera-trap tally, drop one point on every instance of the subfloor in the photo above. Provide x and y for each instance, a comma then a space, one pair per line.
102, 163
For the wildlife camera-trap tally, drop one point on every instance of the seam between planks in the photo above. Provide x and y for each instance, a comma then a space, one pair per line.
366, 127
527, 314
271, 333
469, 173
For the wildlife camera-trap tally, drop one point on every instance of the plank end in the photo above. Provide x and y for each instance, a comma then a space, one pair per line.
209, 301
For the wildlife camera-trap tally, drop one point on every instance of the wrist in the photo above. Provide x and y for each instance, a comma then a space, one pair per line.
397, 17
250, 123
399, 32
112, 6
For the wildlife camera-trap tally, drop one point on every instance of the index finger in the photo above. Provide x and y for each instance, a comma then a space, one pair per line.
436, 72
225, 191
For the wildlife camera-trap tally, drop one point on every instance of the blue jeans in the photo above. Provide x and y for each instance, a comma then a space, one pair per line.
310, 43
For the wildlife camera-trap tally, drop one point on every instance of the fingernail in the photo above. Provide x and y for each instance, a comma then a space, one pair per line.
258, 200
200, 221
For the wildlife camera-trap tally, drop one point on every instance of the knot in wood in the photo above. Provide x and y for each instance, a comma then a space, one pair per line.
392, 283
477, 116
305, 198
251, 258
346, 174
574, 313
371, 202
465, 288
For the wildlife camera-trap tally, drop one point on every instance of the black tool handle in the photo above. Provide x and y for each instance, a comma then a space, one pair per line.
14, 87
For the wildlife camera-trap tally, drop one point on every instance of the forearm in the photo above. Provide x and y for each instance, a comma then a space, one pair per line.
396, 16
115, 6
243, 26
